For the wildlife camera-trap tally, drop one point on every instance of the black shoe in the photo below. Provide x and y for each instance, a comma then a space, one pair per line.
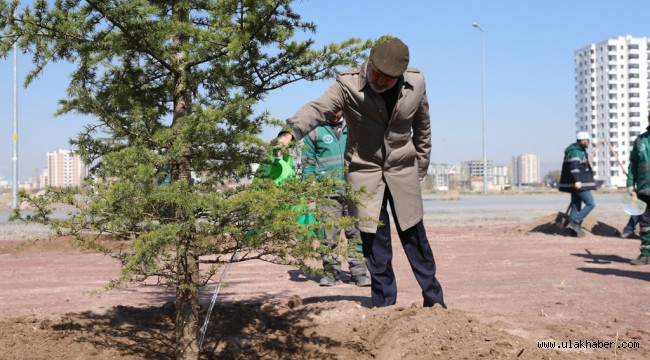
641, 260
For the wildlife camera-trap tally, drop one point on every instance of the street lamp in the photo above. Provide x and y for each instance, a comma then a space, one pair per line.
476, 25
14, 183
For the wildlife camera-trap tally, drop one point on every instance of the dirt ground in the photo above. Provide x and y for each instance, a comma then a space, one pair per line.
510, 287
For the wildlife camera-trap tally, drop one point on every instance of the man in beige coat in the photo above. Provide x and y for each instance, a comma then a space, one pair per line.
388, 149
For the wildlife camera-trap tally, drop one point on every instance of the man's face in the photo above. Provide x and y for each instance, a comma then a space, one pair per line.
378, 81
335, 117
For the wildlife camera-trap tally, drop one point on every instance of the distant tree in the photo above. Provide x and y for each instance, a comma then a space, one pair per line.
172, 87
553, 178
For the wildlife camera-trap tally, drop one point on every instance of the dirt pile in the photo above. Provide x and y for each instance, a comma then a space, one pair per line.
554, 224
342, 330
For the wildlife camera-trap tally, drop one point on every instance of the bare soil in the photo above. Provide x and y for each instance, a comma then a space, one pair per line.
509, 286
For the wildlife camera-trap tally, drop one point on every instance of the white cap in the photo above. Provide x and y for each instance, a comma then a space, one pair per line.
583, 135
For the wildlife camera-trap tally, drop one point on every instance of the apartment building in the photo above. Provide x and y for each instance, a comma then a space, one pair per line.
526, 170
476, 169
64, 168
611, 99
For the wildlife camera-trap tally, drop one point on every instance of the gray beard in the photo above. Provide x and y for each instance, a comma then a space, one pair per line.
376, 89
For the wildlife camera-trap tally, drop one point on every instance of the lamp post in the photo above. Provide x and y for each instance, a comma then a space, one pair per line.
485, 175
14, 183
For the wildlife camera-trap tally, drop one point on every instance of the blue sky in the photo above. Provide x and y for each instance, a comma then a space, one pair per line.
529, 47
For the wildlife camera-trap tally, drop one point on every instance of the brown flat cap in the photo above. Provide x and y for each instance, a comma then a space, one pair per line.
390, 57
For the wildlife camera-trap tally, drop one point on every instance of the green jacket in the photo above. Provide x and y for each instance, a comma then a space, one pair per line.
323, 152
638, 171
576, 168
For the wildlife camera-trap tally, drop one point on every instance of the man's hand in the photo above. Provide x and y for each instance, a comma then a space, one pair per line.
285, 138
630, 190
577, 185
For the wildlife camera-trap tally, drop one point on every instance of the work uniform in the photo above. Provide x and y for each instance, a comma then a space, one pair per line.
577, 168
638, 175
322, 156
387, 152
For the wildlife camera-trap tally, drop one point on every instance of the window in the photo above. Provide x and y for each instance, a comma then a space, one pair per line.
635, 114
633, 46
634, 95
633, 85
633, 56
634, 104
633, 76
635, 123
633, 66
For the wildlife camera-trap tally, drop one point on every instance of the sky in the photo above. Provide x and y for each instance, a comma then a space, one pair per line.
529, 74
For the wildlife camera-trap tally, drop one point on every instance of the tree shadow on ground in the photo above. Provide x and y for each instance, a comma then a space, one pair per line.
601, 258
639, 275
365, 301
268, 330
137, 332
298, 275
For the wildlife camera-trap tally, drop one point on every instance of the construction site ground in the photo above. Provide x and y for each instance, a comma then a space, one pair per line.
515, 283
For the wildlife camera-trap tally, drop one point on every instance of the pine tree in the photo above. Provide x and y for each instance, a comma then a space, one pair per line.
172, 88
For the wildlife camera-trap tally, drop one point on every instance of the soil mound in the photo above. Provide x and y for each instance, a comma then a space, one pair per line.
554, 224
331, 330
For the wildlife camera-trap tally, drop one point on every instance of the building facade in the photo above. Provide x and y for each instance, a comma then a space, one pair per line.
611, 95
444, 176
526, 170
64, 169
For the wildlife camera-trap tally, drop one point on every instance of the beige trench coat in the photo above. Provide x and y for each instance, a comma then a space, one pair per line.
382, 149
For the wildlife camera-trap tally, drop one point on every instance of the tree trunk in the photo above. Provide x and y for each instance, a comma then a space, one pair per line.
187, 305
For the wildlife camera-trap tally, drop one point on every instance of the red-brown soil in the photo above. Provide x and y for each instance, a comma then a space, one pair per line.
508, 286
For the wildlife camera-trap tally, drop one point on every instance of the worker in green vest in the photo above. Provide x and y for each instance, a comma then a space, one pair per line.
322, 156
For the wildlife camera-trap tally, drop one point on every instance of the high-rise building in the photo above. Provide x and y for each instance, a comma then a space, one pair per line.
525, 170
475, 168
64, 168
611, 94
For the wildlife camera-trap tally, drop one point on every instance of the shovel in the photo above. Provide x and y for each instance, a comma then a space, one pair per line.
562, 218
